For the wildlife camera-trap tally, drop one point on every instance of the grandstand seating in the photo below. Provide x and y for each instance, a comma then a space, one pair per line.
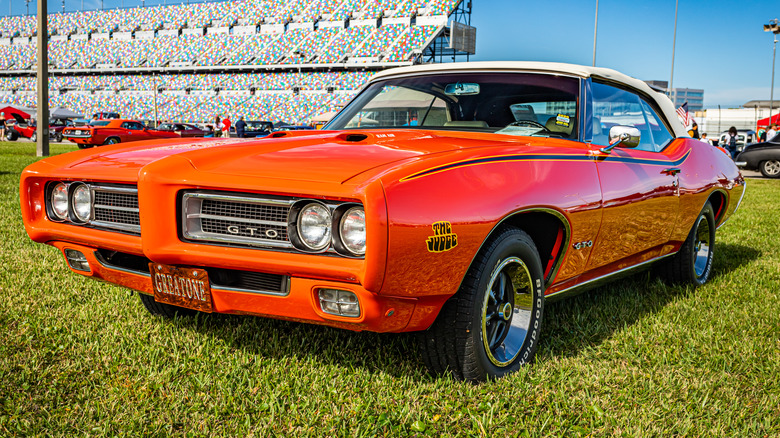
332, 39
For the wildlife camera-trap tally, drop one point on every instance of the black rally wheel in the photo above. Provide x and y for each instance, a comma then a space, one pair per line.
693, 263
163, 309
770, 168
491, 327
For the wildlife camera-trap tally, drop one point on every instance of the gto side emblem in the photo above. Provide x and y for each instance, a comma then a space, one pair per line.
586, 244
443, 239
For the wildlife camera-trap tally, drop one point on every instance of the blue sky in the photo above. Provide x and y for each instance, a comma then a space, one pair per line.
720, 48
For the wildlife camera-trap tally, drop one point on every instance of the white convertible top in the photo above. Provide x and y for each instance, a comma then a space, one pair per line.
666, 105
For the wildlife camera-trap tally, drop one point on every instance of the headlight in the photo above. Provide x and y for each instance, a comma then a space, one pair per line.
352, 230
59, 201
82, 202
314, 222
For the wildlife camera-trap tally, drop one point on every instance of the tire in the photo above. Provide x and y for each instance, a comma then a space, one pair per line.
83, 146
163, 309
34, 137
692, 265
11, 135
491, 326
111, 140
770, 168
58, 137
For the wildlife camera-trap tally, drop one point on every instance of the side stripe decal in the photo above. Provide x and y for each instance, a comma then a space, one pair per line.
546, 157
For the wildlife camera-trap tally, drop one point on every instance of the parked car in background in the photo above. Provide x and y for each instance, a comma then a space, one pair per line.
763, 157
23, 128
505, 193
100, 132
254, 128
744, 138
184, 129
293, 128
56, 126
105, 115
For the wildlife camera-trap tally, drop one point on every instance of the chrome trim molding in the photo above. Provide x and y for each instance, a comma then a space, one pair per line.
595, 282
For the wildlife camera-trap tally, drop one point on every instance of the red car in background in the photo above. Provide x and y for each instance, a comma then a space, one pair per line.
101, 132
184, 129
21, 127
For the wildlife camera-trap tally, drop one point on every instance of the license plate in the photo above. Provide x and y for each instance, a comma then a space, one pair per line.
183, 287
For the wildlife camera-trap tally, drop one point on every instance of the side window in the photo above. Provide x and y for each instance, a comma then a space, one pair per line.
661, 135
613, 106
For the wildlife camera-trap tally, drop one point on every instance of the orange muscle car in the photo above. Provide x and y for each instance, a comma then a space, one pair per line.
451, 199
112, 131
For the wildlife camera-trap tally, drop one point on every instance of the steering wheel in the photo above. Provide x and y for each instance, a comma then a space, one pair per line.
529, 123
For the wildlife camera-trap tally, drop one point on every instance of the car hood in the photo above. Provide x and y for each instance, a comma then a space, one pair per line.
334, 157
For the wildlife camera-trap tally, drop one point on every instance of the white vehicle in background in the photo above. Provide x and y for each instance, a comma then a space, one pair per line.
744, 138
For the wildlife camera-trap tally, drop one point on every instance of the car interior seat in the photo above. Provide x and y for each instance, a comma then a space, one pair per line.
561, 127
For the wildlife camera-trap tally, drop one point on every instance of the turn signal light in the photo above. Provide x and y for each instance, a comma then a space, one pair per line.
77, 260
339, 302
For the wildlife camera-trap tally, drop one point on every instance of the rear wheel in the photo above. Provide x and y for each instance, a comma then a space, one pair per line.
111, 140
770, 168
34, 137
58, 137
491, 327
163, 309
693, 263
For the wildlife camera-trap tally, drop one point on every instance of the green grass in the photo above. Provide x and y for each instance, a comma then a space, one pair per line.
636, 358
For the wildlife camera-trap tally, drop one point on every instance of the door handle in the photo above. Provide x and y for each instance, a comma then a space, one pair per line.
672, 171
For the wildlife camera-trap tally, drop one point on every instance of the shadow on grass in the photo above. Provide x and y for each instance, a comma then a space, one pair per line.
570, 325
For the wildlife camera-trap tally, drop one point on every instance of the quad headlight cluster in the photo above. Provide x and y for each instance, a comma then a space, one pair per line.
70, 202
317, 226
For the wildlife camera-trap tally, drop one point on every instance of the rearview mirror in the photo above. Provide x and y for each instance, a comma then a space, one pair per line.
461, 89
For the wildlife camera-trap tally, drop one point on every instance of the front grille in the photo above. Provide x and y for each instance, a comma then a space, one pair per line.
116, 208
236, 219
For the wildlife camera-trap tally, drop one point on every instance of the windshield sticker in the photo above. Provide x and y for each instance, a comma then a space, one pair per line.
443, 238
562, 120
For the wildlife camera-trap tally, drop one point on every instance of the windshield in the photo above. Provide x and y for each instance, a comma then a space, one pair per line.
258, 126
504, 103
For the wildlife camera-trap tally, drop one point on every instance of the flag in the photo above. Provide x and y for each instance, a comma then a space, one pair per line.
682, 112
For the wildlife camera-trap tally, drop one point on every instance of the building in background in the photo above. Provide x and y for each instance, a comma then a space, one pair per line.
694, 96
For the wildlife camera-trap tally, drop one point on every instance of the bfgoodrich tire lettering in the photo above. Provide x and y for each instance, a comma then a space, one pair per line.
491, 327
693, 263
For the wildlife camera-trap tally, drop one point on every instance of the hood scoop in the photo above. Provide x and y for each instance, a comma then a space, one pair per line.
351, 137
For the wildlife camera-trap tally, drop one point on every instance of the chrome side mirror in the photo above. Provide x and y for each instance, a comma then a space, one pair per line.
623, 136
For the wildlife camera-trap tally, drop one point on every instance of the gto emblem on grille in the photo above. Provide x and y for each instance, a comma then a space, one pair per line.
254, 232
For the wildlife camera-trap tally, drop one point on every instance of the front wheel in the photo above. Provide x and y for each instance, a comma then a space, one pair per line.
770, 168
693, 263
491, 326
11, 135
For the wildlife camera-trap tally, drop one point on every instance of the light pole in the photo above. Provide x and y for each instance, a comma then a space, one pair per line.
674, 43
595, 30
775, 29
